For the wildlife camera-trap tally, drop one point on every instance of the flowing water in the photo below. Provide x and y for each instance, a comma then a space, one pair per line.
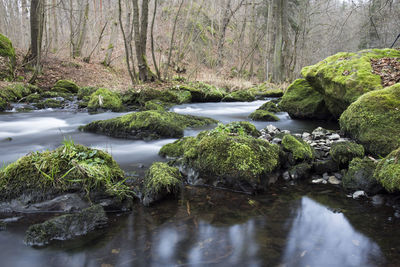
287, 226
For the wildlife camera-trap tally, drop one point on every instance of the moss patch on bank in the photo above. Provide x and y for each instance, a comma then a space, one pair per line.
151, 124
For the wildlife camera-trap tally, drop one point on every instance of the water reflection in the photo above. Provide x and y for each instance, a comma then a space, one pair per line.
320, 237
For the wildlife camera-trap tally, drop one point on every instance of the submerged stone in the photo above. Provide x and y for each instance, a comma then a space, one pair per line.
160, 180
149, 124
67, 226
374, 120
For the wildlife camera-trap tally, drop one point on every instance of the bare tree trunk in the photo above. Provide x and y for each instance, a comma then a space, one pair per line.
36, 21
172, 38
152, 40
81, 31
55, 24
111, 44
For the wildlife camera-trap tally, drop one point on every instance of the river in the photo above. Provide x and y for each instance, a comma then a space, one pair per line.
290, 225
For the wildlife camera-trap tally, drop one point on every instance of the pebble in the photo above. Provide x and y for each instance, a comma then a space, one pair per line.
286, 131
334, 180
334, 137
276, 141
358, 194
319, 181
338, 175
325, 176
286, 176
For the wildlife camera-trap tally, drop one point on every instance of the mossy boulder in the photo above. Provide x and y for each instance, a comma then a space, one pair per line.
360, 176
262, 115
149, 124
17, 91
169, 96
344, 77
160, 180
265, 90
302, 101
374, 120
49, 103
105, 99
387, 171
33, 98
154, 105
239, 96
84, 93
69, 168
298, 150
66, 227
202, 92
226, 156
7, 58
270, 106
65, 86
343, 152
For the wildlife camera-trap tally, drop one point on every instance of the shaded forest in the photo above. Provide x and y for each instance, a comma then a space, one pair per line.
257, 40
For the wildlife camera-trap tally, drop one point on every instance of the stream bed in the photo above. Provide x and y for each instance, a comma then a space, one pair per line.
290, 225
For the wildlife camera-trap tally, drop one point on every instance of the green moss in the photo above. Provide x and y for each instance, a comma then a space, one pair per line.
360, 176
52, 94
300, 150
239, 96
388, 171
66, 86
105, 99
374, 120
149, 124
7, 51
17, 91
262, 115
344, 77
3, 104
301, 101
33, 98
49, 103
265, 90
202, 92
154, 105
226, 152
70, 167
344, 152
270, 106
161, 178
86, 91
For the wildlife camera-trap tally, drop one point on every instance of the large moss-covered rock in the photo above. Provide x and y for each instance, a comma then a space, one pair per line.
160, 180
7, 58
174, 95
149, 124
298, 149
65, 86
66, 227
69, 168
388, 171
227, 156
239, 96
302, 101
105, 99
360, 176
262, 115
374, 120
344, 77
202, 92
343, 152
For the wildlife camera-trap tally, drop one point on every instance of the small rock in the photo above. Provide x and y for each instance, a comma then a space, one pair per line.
267, 137
397, 214
286, 176
325, 176
271, 129
305, 135
297, 135
276, 141
334, 180
313, 144
286, 131
334, 137
358, 194
319, 133
378, 200
338, 175
319, 181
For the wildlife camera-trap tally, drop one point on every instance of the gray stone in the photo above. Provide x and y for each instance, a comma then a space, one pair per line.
285, 131
286, 176
334, 137
66, 227
272, 130
276, 141
333, 180
325, 176
306, 135
319, 181
358, 194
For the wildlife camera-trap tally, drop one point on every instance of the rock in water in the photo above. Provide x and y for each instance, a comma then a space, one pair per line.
66, 227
